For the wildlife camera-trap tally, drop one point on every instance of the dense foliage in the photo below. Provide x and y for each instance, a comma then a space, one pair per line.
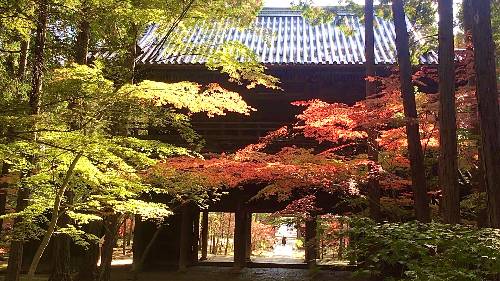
416, 251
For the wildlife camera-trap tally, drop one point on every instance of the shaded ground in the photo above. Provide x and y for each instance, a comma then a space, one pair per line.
201, 273
209, 273
122, 263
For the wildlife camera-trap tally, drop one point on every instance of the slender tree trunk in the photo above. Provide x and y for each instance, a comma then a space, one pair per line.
341, 243
419, 183
124, 236
9, 67
3, 193
488, 107
482, 220
467, 22
88, 267
111, 225
61, 268
448, 162
373, 184
369, 47
53, 220
130, 230
3, 203
16, 247
134, 32
227, 235
23, 59
61, 271
220, 238
212, 239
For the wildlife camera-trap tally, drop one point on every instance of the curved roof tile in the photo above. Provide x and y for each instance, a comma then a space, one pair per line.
281, 36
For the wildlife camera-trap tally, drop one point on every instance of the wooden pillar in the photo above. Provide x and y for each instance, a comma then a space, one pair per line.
240, 236
249, 237
204, 236
311, 242
196, 235
138, 245
185, 246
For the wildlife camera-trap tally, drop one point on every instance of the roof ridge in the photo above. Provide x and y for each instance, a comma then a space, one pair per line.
289, 11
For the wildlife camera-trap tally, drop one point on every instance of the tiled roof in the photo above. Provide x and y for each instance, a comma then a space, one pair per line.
283, 36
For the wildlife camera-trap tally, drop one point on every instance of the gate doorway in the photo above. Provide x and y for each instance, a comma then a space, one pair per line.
276, 239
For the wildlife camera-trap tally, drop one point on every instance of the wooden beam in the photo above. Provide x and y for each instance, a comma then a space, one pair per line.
249, 237
204, 236
311, 242
186, 233
240, 236
196, 234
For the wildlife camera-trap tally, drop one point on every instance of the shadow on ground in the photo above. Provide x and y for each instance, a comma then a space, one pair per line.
211, 273
202, 273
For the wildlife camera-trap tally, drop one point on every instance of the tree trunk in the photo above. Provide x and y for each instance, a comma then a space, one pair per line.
134, 33
53, 220
38, 62
369, 47
341, 243
23, 59
16, 248
8, 65
373, 183
221, 233
130, 230
88, 267
448, 162
487, 99
467, 22
419, 184
82, 40
61, 270
62, 252
3, 193
213, 249
3, 203
124, 236
227, 235
111, 225
482, 220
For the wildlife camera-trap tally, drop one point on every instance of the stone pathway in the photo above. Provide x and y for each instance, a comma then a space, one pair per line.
201, 273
